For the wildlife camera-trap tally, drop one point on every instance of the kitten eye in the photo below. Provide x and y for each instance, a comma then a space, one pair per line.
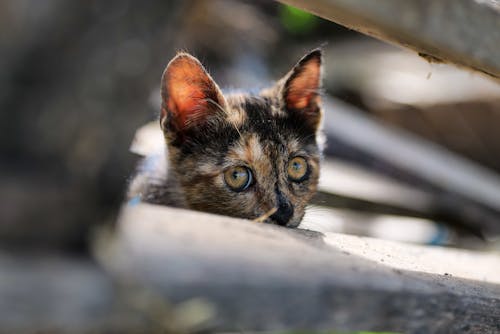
297, 169
238, 178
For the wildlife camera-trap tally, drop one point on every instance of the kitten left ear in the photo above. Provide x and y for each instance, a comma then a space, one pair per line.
301, 90
189, 95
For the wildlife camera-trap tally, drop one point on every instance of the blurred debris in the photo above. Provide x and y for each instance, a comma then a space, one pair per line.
450, 107
446, 106
385, 76
468, 192
75, 79
46, 292
377, 224
348, 179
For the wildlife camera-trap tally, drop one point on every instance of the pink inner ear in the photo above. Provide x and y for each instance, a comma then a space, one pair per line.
186, 100
302, 89
187, 88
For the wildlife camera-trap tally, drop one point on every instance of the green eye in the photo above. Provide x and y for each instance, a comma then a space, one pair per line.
238, 178
297, 169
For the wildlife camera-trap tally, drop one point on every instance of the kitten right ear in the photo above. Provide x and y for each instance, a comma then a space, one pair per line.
301, 88
189, 94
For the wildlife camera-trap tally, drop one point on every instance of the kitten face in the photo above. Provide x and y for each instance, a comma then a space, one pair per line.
243, 155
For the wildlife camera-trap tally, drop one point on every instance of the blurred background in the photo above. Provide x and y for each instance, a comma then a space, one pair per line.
77, 78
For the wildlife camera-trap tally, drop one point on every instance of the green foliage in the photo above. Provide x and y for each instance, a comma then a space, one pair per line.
297, 21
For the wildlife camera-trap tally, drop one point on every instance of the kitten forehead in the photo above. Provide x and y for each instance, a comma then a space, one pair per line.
248, 148
236, 114
255, 107
253, 147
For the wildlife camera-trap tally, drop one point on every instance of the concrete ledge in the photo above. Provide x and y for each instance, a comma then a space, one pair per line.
261, 277
171, 270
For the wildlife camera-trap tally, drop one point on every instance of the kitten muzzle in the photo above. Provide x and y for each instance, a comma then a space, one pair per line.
284, 213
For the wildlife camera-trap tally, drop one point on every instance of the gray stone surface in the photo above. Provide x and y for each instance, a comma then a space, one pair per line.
171, 270
50, 293
261, 277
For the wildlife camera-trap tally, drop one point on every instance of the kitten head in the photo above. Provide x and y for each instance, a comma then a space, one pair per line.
244, 155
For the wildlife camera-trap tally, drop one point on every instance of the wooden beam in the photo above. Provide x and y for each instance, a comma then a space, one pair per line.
463, 32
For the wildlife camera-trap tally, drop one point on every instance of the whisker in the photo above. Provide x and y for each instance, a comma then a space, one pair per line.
266, 215
215, 104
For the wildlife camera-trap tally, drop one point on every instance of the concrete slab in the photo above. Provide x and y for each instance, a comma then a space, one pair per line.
262, 277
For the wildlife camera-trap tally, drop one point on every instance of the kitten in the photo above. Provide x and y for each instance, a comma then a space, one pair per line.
238, 155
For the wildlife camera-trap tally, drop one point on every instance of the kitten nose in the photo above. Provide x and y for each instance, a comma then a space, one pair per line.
284, 212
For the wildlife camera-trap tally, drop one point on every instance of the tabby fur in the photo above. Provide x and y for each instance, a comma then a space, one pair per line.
207, 132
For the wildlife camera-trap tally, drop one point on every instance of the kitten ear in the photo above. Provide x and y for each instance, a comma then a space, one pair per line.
189, 94
301, 90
